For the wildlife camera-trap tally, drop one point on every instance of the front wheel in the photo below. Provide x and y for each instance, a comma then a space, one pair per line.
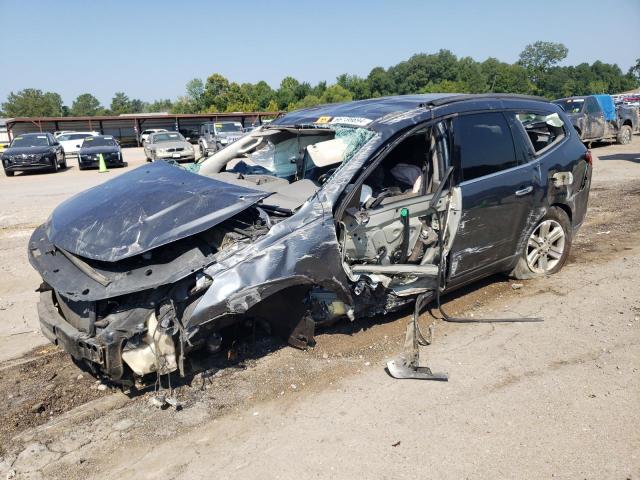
624, 135
9, 173
64, 161
547, 246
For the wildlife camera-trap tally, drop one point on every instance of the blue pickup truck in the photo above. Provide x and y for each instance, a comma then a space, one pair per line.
596, 118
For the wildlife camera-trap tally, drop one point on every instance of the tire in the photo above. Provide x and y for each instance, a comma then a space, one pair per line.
545, 253
9, 173
624, 135
55, 167
64, 161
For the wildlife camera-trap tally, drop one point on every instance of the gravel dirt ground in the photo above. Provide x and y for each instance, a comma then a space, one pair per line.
558, 399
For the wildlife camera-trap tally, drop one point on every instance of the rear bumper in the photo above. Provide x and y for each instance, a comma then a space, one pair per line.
106, 357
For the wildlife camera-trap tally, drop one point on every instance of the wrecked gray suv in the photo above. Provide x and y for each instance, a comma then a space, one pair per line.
338, 211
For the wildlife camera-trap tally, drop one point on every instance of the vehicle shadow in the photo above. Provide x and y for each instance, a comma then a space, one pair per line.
245, 344
629, 157
29, 173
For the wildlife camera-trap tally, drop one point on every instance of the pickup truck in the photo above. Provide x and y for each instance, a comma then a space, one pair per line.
596, 118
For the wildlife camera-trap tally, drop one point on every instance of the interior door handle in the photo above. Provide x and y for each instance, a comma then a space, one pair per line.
524, 191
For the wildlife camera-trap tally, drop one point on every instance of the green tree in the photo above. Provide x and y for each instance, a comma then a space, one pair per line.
162, 105
306, 102
182, 105
263, 95
540, 56
335, 94
137, 106
120, 104
634, 71
86, 105
214, 93
287, 93
32, 102
359, 87
380, 82
195, 94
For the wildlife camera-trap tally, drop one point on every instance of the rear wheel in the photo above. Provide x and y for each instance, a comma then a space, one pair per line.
624, 135
547, 246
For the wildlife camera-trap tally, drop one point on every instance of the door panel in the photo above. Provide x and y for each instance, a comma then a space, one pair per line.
375, 234
494, 214
497, 192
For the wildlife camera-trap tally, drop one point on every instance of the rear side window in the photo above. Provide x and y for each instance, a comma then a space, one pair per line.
543, 130
483, 144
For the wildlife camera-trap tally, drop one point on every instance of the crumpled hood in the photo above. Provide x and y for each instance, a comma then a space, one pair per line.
143, 209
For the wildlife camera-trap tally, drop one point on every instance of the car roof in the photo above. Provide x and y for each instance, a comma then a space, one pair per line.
363, 112
33, 134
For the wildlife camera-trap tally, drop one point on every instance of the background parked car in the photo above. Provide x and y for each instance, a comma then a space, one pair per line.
71, 142
168, 146
33, 151
144, 136
217, 135
101, 144
190, 134
57, 133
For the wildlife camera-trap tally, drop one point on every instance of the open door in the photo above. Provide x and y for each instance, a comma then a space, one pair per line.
393, 226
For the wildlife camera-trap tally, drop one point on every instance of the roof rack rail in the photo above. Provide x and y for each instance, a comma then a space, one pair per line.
470, 96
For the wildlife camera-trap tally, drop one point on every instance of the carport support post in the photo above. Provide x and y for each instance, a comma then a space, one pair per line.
138, 130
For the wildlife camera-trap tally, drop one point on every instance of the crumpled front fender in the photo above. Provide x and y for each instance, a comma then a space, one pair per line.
293, 253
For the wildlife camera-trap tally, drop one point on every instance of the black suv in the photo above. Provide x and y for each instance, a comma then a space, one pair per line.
337, 211
33, 151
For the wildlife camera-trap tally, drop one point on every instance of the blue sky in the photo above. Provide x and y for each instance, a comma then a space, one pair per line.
150, 49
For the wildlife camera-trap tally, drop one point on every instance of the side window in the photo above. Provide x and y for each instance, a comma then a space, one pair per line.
592, 107
483, 144
543, 130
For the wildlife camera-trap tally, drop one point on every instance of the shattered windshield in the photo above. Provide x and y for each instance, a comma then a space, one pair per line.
310, 154
573, 105
292, 163
31, 141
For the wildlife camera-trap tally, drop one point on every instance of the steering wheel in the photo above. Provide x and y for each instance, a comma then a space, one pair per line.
323, 178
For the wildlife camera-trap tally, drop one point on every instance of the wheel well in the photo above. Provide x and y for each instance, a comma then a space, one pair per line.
566, 209
627, 123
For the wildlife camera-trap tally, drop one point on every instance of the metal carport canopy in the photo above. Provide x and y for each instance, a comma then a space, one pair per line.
128, 127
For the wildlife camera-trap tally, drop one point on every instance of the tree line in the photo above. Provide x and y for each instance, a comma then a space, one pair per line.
537, 72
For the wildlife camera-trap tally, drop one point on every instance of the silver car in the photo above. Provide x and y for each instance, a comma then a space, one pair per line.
168, 146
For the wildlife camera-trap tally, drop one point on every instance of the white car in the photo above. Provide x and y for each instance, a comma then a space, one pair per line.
62, 132
144, 136
71, 142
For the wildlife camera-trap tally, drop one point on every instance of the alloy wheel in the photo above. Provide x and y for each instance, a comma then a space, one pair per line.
545, 247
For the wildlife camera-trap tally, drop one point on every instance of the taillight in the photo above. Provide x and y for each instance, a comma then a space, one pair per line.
588, 157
